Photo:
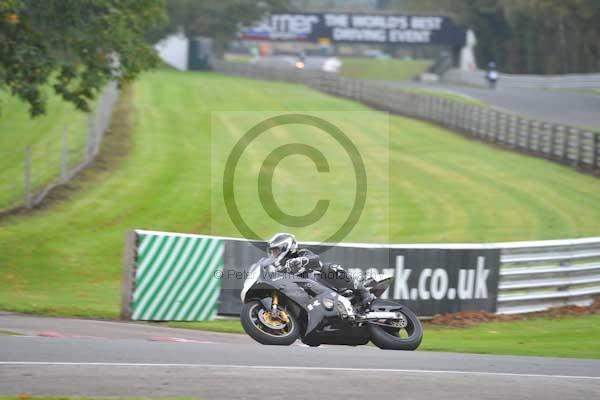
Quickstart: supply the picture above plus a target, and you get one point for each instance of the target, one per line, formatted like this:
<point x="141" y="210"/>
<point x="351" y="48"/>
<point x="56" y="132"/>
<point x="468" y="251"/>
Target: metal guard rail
<point x="538" y="277"/>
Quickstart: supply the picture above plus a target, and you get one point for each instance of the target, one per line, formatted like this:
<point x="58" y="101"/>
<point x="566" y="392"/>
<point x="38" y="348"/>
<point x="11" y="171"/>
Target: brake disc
<point x="266" y="318"/>
<point x="401" y="322"/>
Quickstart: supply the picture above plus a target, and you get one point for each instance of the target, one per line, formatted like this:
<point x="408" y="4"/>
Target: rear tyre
<point x="390" y="338"/>
<point x="279" y="334"/>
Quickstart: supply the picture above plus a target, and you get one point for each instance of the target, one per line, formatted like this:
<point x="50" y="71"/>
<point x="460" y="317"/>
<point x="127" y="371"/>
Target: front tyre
<point x="262" y="327"/>
<point x="392" y="339"/>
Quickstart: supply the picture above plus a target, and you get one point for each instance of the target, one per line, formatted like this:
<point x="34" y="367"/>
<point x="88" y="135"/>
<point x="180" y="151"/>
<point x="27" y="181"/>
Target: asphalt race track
<point x="558" y="106"/>
<point x="78" y="357"/>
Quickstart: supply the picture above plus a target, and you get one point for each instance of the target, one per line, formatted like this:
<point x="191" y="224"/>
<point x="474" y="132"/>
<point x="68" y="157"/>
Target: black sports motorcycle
<point x="280" y="307"/>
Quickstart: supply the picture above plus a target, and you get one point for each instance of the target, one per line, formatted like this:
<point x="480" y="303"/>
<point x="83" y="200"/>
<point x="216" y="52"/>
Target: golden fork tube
<point x="274" y="303"/>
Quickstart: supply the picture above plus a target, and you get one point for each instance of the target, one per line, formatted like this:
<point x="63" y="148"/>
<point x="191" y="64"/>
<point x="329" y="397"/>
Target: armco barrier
<point x="569" y="145"/>
<point x="172" y="276"/>
<point x="536" y="276"/>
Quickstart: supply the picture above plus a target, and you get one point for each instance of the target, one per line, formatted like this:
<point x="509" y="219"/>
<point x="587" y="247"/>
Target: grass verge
<point x="154" y="173"/>
<point x="238" y="58"/>
<point x="448" y="95"/>
<point x="44" y="135"/>
<point x="8" y="333"/>
<point x="225" y="326"/>
<point x="382" y="69"/>
<point x="575" y="337"/>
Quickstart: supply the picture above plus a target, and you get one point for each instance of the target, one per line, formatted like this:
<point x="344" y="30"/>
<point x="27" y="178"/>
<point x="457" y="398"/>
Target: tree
<point x="416" y="6"/>
<point x="535" y="36"/>
<point x="76" y="46"/>
<point x="217" y="19"/>
<point x="564" y="34"/>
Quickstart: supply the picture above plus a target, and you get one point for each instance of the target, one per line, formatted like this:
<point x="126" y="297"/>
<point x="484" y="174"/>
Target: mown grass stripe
<point x="208" y="280"/>
<point x="156" y="290"/>
<point x="166" y="286"/>
<point x="196" y="278"/>
<point x="181" y="295"/>
<point x="171" y="303"/>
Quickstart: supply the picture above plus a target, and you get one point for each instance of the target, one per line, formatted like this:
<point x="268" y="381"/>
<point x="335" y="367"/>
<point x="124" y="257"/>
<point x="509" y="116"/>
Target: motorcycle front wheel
<point x="262" y="327"/>
<point x="389" y="338"/>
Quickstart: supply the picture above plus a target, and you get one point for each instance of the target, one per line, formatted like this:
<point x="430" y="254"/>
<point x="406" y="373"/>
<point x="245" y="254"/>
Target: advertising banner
<point x="358" y="28"/>
<point x="428" y="280"/>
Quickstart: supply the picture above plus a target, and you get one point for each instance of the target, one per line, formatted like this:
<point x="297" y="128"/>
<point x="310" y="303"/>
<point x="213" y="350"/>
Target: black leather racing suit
<point x="333" y="275"/>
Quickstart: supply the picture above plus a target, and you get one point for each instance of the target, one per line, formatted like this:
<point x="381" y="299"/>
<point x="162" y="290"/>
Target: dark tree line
<point x="536" y="36"/>
<point x="74" y="46"/>
<point x="526" y="36"/>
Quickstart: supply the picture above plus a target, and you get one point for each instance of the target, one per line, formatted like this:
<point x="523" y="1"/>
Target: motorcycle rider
<point x="284" y="248"/>
<point x="492" y="75"/>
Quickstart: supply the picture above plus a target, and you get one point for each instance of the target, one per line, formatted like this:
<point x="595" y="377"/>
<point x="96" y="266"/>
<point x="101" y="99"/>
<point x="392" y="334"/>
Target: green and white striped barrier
<point x="181" y="277"/>
<point x="171" y="276"/>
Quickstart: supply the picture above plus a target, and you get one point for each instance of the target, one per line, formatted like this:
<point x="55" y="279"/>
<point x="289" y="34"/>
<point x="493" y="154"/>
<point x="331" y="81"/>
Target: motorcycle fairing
<point x="296" y="289"/>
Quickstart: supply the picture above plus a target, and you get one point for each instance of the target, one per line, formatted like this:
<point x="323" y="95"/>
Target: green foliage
<point x="216" y="19"/>
<point x="416" y="6"/>
<point x="525" y="36"/>
<point x="83" y="43"/>
<point x="535" y="36"/>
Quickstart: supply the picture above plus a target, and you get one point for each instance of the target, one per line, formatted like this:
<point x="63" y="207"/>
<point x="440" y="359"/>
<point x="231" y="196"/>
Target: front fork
<point x="274" y="304"/>
<point x="275" y="311"/>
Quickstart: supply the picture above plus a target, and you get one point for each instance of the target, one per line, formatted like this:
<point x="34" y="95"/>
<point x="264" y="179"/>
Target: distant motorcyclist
<point x="284" y="248"/>
<point x="492" y="75"/>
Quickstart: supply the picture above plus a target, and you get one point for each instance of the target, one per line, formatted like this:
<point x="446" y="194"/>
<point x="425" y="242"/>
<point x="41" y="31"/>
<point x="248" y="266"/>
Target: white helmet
<point x="281" y="244"/>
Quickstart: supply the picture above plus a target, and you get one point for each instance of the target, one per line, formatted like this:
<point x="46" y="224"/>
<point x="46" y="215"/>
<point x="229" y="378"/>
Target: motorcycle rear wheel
<point x="264" y="334"/>
<point x="389" y="339"/>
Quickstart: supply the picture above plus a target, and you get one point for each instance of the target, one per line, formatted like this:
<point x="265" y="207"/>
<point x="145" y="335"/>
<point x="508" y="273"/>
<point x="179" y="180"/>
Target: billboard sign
<point x="429" y="281"/>
<point x="358" y="28"/>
